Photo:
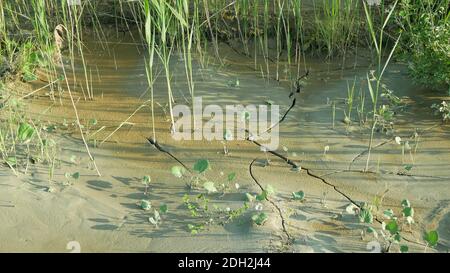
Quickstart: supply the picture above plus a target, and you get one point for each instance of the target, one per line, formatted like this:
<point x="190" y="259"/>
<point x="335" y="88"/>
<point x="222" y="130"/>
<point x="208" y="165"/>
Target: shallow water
<point x="100" y="212"/>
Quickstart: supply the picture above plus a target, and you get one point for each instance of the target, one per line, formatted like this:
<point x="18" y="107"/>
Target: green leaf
<point x="11" y="160"/>
<point x="178" y="16"/>
<point x="231" y="176"/>
<point x="245" y="116"/>
<point x="209" y="186"/>
<point x="408" y="167"/>
<point x="260" y="218"/>
<point x="29" y="76"/>
<point x="195" y="228"/>
<point x="145" y="205"/>
<point x="432" y="238"/>
<point x="249" y="197"/>
<point x="93" y="122"/>
<point x="178" y="171"/>
<point x="406" y="203"/>
<point x="146" y="179"/>
<point x="76" y="175"/>
<point x="201" y="166"/>
<point x="300" y="195"/>
<point x="370" y="230"/>
<point x="26" y="132"/>
<point x="372" y="94"/>
<point x="262" y="196"/>
<point x="50" y="128"/>
<point x="404" y="249"/>
<point x="365" y="216"/>
<point x="33" y="58"/>
<point x="392" y="227"/>
<point x="389" y="213"/>
<point x="408" y="212"/>
<point x="371" y="28"/>
<point x="163" y="208"/>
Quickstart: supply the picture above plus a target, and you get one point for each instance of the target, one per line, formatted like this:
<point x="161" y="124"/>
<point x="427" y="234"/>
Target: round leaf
<point x="432" y="237"/>
<point x="392" y="227"/>
<point x="201" y="166"/>
<point x="300" y="195"/>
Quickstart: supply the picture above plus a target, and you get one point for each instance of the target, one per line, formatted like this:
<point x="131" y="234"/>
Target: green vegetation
<point x="48" y="36"/>
<point x="395" y="227"/>
<point x="442" y="110"/>
<point x="425" y="43"/>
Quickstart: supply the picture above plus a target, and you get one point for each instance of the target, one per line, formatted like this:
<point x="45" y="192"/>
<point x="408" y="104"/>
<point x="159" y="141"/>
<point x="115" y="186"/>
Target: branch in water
<point x="161" y="149"/>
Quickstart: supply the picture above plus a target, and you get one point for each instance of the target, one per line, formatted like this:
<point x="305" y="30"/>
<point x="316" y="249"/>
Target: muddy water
<point x="101" y="212"/>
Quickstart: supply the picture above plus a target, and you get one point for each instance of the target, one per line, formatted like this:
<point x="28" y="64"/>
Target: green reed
<point x="374" y="80"/>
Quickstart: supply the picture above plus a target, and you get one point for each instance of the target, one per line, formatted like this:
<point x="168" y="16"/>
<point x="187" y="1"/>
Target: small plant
<point x="25" y="132"/>
<point x="144" y="204"/>
<point x="266" y="193"/>
<point x="197" y="208"/>
<point x="156" y="219"/>
<point x="392" y="228"/>
<point x="299" y="196"/>
<point x="200" y="168"/>
<point x="260" y="218"/>
<point x="233" y="83"/>
<point x="195" y="228"/>
<point x="443" y="110"/>
<point x="225" y="187"/>
<point x="232" y="214"/>
<point x="375" y="78"/>
<point x="432" y="238"/>
<point x="146" y="179"/>
<point x="75" y="175"/>
<point x="349" y="102"/>
<point x="163" y="208"/>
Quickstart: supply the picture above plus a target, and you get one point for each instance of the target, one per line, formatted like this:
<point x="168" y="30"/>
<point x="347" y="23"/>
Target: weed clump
<point x="426" y="41"/>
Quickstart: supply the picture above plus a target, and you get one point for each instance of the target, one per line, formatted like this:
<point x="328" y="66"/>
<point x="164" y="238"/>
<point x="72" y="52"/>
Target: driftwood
<point x="161" y="149"/>
<point x="298" y="87"/>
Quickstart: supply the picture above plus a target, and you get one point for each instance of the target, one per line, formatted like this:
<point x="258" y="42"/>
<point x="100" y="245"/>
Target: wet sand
<point x="101" y="212"/>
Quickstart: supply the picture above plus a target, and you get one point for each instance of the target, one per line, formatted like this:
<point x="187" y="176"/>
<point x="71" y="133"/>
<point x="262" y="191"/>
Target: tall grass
<point x="336" y="25"/>
<point x="375" y="79"/>
<point x="192" y="26"/>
